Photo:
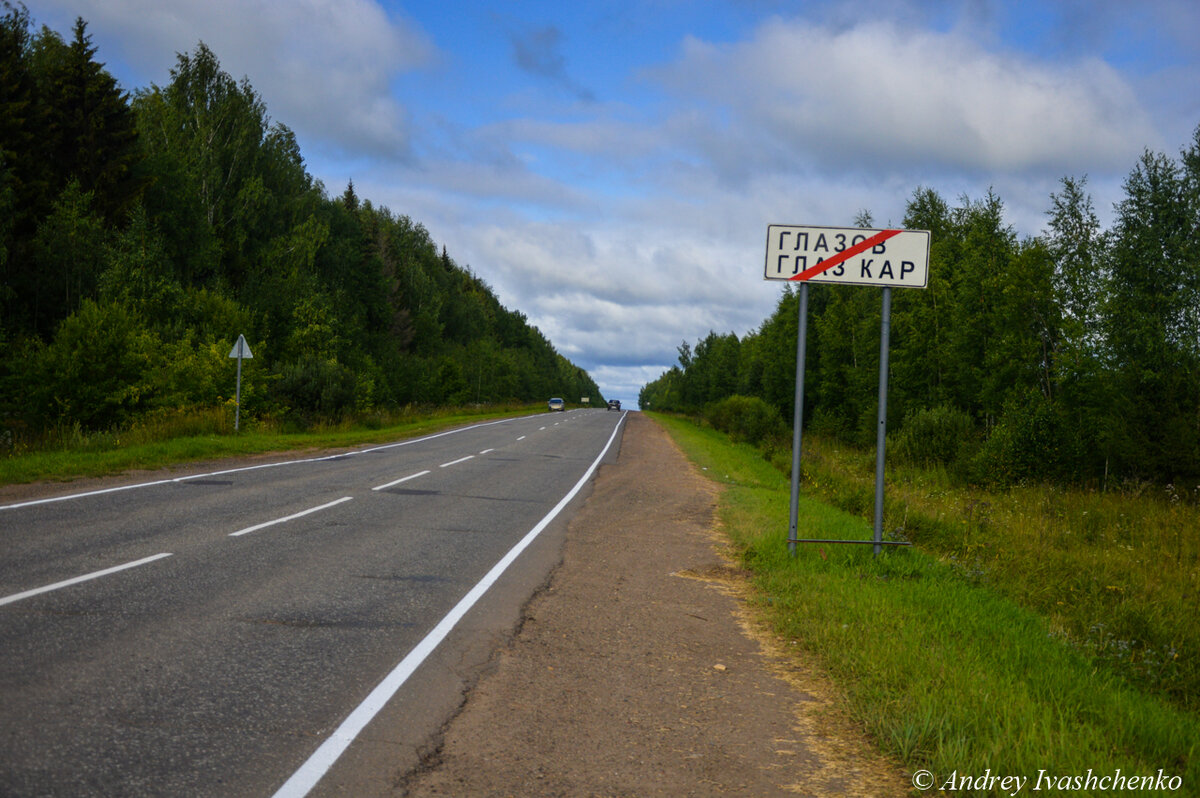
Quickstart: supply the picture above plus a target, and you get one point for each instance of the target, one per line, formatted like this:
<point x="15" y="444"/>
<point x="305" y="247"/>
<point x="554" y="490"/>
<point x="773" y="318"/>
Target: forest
<point x="140" y="235"/>
<point x="1071" y="357"/>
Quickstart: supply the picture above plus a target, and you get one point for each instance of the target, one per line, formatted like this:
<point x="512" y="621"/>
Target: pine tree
<point x="22" y="122"/>
<point x="24" y="182"/>
<point x="349" y="198"/>
<point x="92" y="134"/>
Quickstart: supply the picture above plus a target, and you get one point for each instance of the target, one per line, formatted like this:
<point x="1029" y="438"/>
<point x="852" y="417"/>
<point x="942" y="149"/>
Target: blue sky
<point x="610" y="168"/>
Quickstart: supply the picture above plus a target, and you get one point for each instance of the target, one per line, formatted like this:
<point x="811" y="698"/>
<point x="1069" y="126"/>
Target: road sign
<point x="852" y="256"/>
<point x="847" y="255"/>
<point x="241" y="349"/>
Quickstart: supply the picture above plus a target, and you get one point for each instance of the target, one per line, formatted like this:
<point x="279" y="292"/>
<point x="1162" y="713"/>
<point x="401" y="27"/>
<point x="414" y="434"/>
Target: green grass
<point x="946" y="672"/>
<point x="176" y="438"/>
<point x="1116" y="574"/>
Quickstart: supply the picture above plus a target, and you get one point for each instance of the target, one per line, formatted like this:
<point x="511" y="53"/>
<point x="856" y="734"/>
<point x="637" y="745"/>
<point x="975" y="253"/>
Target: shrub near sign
<point x="855" y="256"/>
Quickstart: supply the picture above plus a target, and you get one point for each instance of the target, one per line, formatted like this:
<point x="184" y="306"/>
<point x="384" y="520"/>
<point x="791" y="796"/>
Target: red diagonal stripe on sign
<point x="840" y="257"/>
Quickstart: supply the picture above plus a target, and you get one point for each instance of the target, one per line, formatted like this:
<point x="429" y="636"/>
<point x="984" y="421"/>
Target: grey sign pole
<point x="885" y="333"/>
<point x="798" y="418"/>
<point x="237" y="402"/>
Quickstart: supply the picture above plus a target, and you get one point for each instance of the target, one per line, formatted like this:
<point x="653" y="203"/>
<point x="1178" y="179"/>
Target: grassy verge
<point x="1116" y="574"/>
<point x="157" y="443"/>
<point x="947" y="673"/>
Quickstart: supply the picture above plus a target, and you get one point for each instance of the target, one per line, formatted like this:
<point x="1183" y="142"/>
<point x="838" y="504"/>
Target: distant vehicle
<point x="614" y="404"/>
<point x="557" y="404"/>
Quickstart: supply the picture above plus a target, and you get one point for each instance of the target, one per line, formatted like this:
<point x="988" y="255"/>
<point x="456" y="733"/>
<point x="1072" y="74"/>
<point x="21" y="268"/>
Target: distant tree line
<point x="139" y="236"/>
<point x="1069" y="357"/>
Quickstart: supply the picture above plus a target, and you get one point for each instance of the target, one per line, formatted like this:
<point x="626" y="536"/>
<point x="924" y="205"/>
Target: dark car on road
<point x="614" y="404"/>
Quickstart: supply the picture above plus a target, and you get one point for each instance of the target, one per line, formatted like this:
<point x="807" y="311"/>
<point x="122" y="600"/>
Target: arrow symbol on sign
<point x="841" y="257"/>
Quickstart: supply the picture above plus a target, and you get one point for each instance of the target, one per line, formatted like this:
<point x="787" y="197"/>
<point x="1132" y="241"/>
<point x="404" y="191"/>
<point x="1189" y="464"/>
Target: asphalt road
<point x="232" y="620"/>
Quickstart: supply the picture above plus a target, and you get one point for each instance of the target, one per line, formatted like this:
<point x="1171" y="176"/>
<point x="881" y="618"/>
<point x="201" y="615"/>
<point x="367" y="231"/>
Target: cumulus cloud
<point x="618" y="296"/>
<point x="324" y="67"/>
<point x="880" y="94"/>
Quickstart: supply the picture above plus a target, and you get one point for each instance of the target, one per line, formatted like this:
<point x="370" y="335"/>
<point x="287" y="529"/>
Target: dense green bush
<point x="746" y="419"/>
<point x="1030" y="444"/>
<point x="316" y="387"/>
<point x="933" y="436"/>
<point x="99" y="371"/>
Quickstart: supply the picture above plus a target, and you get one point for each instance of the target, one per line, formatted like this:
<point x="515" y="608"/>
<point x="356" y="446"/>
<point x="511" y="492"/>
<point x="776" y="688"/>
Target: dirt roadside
<point x="641" y="671"/>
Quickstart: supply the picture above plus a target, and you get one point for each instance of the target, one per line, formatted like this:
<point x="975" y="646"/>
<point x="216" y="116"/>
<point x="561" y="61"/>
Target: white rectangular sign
<point x="851" y="255"/>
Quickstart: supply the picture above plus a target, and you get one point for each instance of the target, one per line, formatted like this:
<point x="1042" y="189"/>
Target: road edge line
<point x="321" y="760"/>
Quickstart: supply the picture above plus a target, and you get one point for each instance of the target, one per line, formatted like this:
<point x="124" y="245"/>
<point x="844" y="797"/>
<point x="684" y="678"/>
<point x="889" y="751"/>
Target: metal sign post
<point x="885" y="258"/>
<point x="240" y="350"/>
<point x="798" y="417"/>
<point x="885" y="334"/>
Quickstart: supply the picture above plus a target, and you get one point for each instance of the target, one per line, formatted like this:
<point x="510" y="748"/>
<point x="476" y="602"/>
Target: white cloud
<point x="626" y="383"/>
<point x="881" y="96"/>
<point x="324" y="67"/>
<point x="611" y="269"/>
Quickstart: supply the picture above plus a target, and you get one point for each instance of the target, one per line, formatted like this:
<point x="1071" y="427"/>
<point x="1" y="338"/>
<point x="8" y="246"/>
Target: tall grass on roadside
<point x="945" y="671"/>
<point x="1117" y="574"/>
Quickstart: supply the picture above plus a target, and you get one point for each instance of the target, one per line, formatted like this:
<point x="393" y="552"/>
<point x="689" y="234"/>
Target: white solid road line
<point x="76" y="580"/>
<point x="82" y="495"/>
<point x="402" y="479"/>
<point x="317" y="765"/>
<point x="300" y="514"/>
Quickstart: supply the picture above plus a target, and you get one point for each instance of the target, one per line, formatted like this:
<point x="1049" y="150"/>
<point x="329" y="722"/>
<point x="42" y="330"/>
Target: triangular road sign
<point x="241" y="349"/>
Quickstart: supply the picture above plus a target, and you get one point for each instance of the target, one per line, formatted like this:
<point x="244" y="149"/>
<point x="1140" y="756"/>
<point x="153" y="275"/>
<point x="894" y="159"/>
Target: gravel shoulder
<point x="641" y="670"/>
